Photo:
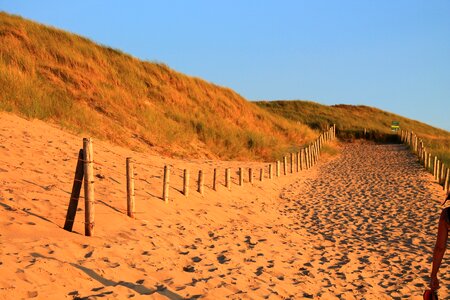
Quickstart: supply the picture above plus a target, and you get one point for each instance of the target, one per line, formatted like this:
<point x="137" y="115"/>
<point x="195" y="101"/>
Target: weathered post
<point x="284" y="165"/>
<point x="241" y="177"/>
<point x="186" y="182"/>
<point x="270" y="171"/>
<point x="447" y="180"/>
<point x="429" y="162"/>
<point x="250" y="175"/>
<point x="306" y="158"/>
<point x="89" y="195"/>
<point x="277" y="169"/>
<point x="228" y="179"/>
<point x="200" y="182"/>
<point x="215" y="180"/>
<point x="261" y="174"/>
<point x="292" y="163"/>
<point x="442" y="173"/>
<point x="75" y="195"/>
<point x="130" y="188"/>
<point x="434" y="167"/>
<point x="302" y="153"/>
<point x="166" y="183"/>
<point x="298" y="161"/>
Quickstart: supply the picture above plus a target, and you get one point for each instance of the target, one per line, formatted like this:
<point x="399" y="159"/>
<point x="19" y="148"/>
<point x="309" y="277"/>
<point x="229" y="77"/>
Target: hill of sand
<point x="357" y="225"/>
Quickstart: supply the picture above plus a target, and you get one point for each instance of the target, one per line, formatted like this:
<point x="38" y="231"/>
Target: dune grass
<point x="66" y="79"/>
<point x="350" y="119"/>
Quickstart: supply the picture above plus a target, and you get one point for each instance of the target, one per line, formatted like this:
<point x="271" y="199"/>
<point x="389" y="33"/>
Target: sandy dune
<point x="357" y="226"/>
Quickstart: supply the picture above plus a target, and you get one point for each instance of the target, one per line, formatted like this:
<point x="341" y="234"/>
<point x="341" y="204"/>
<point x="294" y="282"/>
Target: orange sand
<point x="360" y="225"/>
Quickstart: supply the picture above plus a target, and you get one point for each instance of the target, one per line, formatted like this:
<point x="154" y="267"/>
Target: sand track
<point x="376" y="213"/>
<point x="358" y="226"/>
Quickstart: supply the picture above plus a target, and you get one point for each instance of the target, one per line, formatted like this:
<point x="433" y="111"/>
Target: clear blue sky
<point x="391" y="54"/>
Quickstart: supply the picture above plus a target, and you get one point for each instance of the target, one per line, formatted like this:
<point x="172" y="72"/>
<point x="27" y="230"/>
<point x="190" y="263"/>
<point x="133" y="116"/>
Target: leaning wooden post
<point x="166" y="183"/>
<point x="277" y="169"/>
<point x="270" y="171"/>
<point x="130" y="188"/>
<point x="200" y="182"/>
<point x="261" y="174"/>
<point x="292" y="163"/>
<point x="284" y="165"/>
<point x="241" y="177"/>
<point x="228" y="179"/>
<point x="186" y="176"/>
<point x="89" y="196"/>
<point x="75" y="195"/>
<point x="215" y="180"/>
<point x="250" y="175"/>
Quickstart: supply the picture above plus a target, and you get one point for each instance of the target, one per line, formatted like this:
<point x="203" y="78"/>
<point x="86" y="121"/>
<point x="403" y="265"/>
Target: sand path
<point x="375" y="213"/>
<point x="357" y="226"/>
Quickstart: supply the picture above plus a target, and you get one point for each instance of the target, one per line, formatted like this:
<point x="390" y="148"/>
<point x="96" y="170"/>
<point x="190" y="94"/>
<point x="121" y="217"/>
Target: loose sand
<point x="357" y="226"/>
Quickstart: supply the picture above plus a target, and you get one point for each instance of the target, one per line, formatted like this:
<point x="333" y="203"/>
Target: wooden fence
<point x="304" y="159"/>
<point x="431" y="162"/>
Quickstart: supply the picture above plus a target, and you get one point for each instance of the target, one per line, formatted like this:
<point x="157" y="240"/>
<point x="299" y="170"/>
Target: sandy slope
<point x="359" y="226"/>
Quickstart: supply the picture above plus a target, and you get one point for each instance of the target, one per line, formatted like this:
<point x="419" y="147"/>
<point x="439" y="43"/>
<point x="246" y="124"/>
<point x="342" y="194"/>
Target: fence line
<point x="431" y="163"/>
<point x="304" y="159"/>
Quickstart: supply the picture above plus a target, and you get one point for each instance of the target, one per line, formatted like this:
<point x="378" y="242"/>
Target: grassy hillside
<point x="349" y="118"/>
<point x="53" y="75"/>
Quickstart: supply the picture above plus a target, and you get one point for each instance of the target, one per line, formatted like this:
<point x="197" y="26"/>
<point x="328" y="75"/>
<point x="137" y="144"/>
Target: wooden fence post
<point x="442" y="174"/>
<point x="186" y="176"/>
<point x="250" y="175"/>
<point x="215" y="180"/>
<point x="89" y="196"/>
<point x="306" y="158"/>
<point x="277" y="170"/>
<point x="261" y="174"/>
<point x="241" y="177"/>
<point x="429" y="162"/>
<point x="130" y="188"/>
<point x="75" y="195"/>
<point x="298" y="161"/>
<point x="284" y="165"/>
<point x="166" y="183"/>
<point x="446" y="180"/>
<point x="292" y="163"/>
<point x="270" y="171"/>
<point x="228" y="179"/>
<point x="200" y="182"/>
<point x="302" y="152"/>
<point x="434" y="167"/>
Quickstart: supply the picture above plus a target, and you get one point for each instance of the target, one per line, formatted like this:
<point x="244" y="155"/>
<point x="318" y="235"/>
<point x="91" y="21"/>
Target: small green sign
<point x="395" y="125"/>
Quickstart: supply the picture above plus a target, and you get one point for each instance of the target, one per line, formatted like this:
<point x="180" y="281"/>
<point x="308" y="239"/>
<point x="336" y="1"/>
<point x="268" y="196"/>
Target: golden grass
<point x="350" y="119"/>
<point x="53" y="75"/>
